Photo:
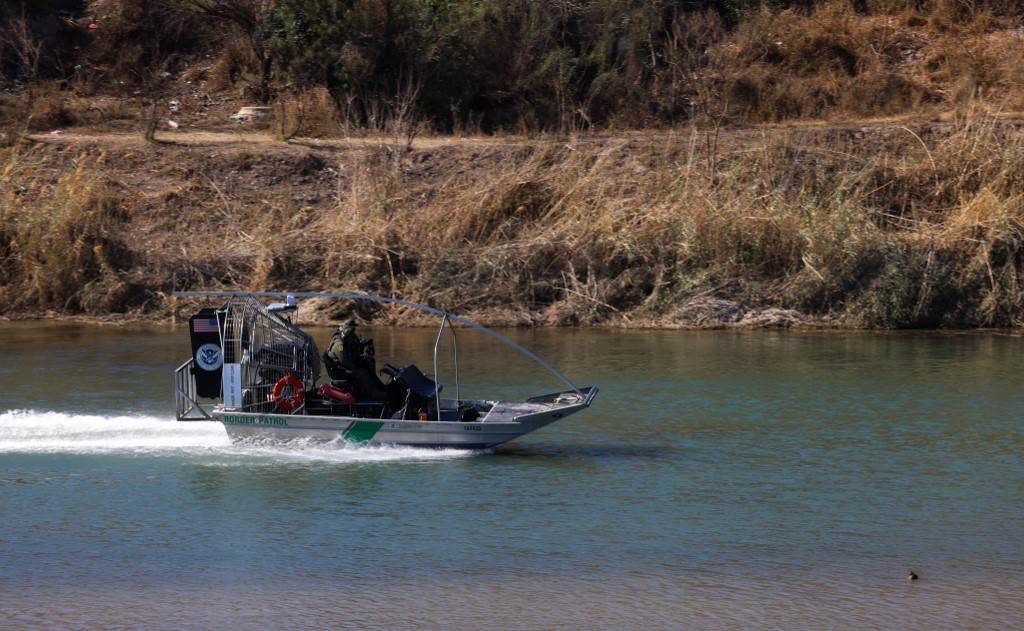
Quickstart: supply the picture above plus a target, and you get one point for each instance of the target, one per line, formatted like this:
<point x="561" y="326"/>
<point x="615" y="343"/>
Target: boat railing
<point x="186" y="408"/>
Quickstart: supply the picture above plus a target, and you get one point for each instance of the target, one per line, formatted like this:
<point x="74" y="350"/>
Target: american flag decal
<point x="204" y="325"/>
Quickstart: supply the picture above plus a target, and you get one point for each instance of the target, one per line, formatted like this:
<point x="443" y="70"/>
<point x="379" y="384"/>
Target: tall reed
<point x="61" y="241"/>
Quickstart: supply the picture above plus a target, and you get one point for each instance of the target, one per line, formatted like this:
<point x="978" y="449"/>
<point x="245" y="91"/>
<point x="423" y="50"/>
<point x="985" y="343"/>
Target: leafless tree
<point x="246" y="18"/>
<point x="17" y="38"/>
<point x="404" y="120"/>
<point x="26" y="50"/>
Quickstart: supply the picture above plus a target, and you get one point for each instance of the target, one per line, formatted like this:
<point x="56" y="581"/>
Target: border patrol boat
<point x="257" y="373"/>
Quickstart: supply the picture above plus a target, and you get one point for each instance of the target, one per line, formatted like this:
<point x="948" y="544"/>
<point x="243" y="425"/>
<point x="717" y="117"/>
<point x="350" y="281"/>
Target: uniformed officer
<point x="346" y="348"/>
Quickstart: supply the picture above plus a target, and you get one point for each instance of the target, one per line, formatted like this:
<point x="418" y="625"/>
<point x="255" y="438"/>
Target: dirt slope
<point x="856" y="224"/>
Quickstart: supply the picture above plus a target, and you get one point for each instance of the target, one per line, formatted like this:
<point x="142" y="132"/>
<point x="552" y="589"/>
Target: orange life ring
<point x="288" y="393"/>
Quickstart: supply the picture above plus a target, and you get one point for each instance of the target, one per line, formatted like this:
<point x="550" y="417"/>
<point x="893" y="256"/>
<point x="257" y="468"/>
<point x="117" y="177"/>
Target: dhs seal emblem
<point x="208" y="357"/>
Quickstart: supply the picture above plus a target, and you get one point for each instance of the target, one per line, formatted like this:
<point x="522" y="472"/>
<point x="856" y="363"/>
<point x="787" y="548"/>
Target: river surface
<point x="721" y="480"/>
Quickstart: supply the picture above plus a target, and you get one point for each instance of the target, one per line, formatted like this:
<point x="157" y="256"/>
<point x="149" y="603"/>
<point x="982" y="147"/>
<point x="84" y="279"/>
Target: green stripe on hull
<point x="362" y="431"/>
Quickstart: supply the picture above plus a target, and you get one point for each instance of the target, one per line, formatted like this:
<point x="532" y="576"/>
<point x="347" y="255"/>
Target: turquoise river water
<point x="721" y="480"/>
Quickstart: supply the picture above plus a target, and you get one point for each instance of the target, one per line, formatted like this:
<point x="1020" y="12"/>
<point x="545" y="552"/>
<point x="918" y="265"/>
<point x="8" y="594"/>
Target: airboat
<point x="259" y="374"/>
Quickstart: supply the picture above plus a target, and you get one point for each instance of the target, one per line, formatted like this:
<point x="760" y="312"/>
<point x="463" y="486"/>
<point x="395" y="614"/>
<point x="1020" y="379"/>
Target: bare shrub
<point x="139" y="38"/>
<point x="309" y="113"/>
<point x="48" y="108"/>
<point x="245" y="20"/>
<point x="229" y="65"/>
<point x="19" y="41"/>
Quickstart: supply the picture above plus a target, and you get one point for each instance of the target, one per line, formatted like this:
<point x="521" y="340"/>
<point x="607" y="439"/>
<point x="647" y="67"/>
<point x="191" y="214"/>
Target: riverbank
<point x="751" y="318"/>
<point x="874" y="225"/>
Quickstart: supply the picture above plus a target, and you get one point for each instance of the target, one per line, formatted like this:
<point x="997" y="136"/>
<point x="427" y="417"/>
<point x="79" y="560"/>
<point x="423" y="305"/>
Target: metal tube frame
<point x="386" y="299"/>
<point x="267" y="346"/>
<point x="455" y="354"/>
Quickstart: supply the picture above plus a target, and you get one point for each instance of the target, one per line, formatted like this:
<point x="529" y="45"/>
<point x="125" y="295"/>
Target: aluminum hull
<point x="506" y="421"/>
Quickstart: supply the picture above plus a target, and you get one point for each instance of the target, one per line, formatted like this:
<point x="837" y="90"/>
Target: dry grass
<point x="309" y="113"/>
<point x="46" y="107"/>
<point x="834" y="63"/>
<point x="899" y="228"/>
<point x="61" y="242"/>
<point x="916" y="236"/>
<point x="621" y="230"/>
<point x="890" y="227"/>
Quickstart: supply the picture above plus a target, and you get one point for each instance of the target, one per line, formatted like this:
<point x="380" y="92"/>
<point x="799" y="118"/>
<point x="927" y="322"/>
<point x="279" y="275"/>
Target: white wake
<point x="31" y="431"/>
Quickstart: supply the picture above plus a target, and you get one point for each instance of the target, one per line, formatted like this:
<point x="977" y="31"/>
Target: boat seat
<point x="335" y="370"/>
<point x="413" y="378"/>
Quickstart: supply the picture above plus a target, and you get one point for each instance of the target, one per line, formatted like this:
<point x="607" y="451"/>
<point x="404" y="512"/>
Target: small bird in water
<point x="911" y="576"/>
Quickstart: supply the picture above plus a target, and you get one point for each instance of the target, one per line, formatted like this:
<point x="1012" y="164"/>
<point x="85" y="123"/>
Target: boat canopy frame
<point x="446" y="317"/>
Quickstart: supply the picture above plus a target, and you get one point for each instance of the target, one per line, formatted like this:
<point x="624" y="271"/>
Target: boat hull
<point x="249" y="427"/>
